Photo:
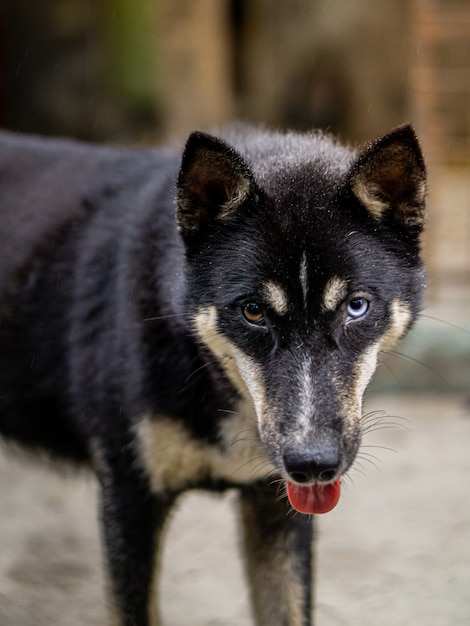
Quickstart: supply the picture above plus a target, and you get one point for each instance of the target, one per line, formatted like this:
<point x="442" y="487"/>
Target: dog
<point x="205" y="319"/>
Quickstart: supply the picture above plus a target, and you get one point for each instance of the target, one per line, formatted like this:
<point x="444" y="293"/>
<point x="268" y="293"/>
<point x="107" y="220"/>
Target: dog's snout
<point x="309" y="466"/>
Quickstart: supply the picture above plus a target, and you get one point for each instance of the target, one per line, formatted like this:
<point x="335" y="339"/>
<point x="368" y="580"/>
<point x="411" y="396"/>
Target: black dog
<point x="229" y="347"/>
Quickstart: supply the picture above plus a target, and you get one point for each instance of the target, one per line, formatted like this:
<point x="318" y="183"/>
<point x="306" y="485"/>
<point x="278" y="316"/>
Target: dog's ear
<point x="213" y="182"/>
<point x="389" y="178"/>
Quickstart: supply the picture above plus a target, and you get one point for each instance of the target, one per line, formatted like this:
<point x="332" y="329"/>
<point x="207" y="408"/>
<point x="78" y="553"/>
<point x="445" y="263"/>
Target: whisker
<point x="365" y="457"/>
<point x="437" y="319"/>
<point x="387" y="424"/>
<point x="255" y="469"/>
<point x="381" y="420"/>
<point x="281" y="489"/>
<point x="407" y="357"/>
<point x="368" y="455"/>
<point x="278" y="479"/>
<point x="197" y="370"/>
<point x="251" y="440"/>
<point x="347" y="478"/>
<point x="228" y="411"/>
<point x="377" y="428"/>
<point x="377" y="447"/>
<point x="382" y="414"/>
<point x="370" y="461"/>
<point x="390" y="369"/>
<point x="164" y="317"/>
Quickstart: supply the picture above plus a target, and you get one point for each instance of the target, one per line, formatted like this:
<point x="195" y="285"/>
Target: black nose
<point x="307" y="466"/>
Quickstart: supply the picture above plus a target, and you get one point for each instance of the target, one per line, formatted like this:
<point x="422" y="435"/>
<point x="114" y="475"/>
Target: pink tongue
<point x="314" y="499"/>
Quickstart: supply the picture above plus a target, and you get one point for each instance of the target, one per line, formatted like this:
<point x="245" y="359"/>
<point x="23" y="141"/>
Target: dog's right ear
<point x="213" y="182"/>
<point x="389" y="179"/>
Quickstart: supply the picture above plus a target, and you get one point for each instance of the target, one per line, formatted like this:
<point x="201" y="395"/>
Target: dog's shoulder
<point x="48" y="184"/>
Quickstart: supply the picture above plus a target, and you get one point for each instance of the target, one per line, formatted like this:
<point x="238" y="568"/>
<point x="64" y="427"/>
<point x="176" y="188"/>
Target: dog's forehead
<point x="317" y="271"/>
<point x="289" y="259"/>
<point x="281" y="297"/>
<point x="305" y="254"/>
<point x="305" y="190"/>
<point x="305" y="287"/>
<point x="306" y="202"/>
<point x="303" y="161"/>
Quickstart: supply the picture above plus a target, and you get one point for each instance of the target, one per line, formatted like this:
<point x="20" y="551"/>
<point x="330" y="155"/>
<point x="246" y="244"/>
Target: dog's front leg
<point x="133" y="521"/>
<point x="278" y="547"/>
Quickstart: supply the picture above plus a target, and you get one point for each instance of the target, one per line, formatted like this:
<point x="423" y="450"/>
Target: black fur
<point x="101" y="287"/>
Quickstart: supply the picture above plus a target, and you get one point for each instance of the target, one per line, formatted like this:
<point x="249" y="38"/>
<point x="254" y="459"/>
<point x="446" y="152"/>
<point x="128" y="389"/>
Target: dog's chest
<point x="175" y="460"/>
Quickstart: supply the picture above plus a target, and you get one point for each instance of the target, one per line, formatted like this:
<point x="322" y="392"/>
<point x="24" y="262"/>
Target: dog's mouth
<point x="315" y="498"/>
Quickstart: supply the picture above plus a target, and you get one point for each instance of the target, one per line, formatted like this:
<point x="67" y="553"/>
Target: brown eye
<point x="253" y="313"/>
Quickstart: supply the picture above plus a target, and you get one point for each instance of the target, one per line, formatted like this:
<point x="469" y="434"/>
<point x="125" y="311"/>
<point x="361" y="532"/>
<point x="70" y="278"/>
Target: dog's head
<point x="303" y="263"/>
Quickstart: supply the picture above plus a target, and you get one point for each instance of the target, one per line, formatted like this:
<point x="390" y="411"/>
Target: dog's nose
<point x="312" y="465"/>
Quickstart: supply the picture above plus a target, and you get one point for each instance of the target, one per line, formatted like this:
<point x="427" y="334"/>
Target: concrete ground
<point x="396" y="550"/>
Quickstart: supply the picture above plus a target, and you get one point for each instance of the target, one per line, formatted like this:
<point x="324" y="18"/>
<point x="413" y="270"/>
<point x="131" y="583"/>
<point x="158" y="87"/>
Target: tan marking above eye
<point x="275" y="297"/>
<point x="334" y="293"/>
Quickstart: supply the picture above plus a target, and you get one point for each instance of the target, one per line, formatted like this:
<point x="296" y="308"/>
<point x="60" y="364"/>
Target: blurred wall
<point x="149" y="70"/>
<point x="340" y="65"/>
<point x="98" y="68"/>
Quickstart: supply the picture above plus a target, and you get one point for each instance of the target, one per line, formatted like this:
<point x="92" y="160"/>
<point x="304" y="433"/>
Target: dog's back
<point x="46" y="183"/>
<point x="61" y="203"/>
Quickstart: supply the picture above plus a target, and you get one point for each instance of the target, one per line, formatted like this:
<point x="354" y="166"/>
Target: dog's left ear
<point x="389" y="178"/>
<point x="213" y="182"/>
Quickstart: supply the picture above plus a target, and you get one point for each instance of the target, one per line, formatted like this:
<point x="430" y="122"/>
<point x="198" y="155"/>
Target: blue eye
<point x="357" y="307"/>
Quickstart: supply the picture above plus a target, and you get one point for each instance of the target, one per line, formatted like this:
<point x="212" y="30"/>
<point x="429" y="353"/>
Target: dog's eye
<point x="357" y="308"/>
<point x="253" y="313"/>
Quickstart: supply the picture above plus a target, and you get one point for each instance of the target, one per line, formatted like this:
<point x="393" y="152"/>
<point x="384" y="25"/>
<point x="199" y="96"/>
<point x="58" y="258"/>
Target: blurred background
<point x="148" y="71"/>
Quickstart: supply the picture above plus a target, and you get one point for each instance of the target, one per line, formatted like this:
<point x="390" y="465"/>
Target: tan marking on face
<point x="366" y="366"/>
<point x="352" y="395"/>
<point x="241" y="370"/>
<point x="245" y="375"/>
<point x="400" y="317"/>
<point x="266" y="414"/>
<point x="334" y="293"/>
<point x="367" y="363"/>
<point x="275" y="297"/>
<point x="205" y="322"/>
